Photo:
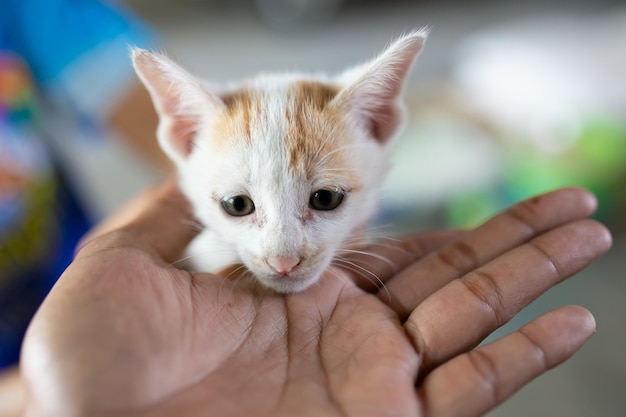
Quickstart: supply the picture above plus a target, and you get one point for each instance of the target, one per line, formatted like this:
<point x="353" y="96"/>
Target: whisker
<point x="388" y="261"/>
<point x="389" y="243"/>
<point x="234" y="271"/>
<point x="351" y="266"/>
<point x="339" y="149"/>
<point x="180" y="261"/>
<point x="374" y="231"/>
<point x="238" y="279"/>
<point x="336" y="170"/>
<point x="358" y="239"/>
<point x="336" y="274"/>
<point x="202" y="253"/>
<point x="194" y="224"/>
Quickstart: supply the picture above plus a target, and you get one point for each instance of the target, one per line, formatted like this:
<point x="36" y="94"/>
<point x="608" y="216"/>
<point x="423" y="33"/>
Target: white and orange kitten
<point x="282" y="170"/>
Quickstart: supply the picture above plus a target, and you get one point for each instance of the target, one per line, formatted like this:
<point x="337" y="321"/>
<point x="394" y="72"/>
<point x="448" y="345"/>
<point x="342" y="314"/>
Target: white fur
<point x="283" y="224"/>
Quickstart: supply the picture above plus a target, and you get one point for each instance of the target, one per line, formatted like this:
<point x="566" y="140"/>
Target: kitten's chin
<point x="288" y="284"/>
<point x="276" y="283"/>
<point x="305" y="274"/>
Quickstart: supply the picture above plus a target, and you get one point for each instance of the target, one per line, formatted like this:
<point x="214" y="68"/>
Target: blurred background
<point x="507" y="100"/>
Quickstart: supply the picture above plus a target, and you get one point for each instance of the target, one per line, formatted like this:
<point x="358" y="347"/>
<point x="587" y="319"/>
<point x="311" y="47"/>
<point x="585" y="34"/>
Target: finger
<point x="159" y="220"/>
<point x="476" y="382"/>
<point x="457" y="317"/>
<point x="372" y="265"/>
<point x="498" y="235"/>
<point x="12" y="392"/>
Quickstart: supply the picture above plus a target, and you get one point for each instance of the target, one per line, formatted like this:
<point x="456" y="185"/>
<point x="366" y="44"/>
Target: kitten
<point x="281" y="170"/>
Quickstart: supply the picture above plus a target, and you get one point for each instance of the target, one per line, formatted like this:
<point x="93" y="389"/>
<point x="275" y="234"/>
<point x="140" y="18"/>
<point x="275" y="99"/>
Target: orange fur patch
<point x="241" y="108"/>
<point x="313" y="129"/>
<point x="309" y="120"/>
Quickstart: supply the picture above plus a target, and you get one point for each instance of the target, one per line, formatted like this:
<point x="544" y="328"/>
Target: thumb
<point x="158" y="220"/>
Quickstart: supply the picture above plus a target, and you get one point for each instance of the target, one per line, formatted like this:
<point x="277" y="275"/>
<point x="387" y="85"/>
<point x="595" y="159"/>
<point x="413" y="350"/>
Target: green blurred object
<point x="596" y="160"/>
<point x="472" y="207"/>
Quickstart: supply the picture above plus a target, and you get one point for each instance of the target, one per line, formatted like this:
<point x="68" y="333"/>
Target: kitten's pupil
<point x="323" y="197"/>
<point x="239" y="205"/>
<point x="326" y="199"/>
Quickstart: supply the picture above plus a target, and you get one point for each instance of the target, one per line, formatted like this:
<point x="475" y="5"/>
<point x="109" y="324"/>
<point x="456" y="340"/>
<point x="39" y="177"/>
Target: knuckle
<point x="417" y="338"/>
<point x="459" y="256"/>
<point x="413" y="248"/>
<point x="487" y="373"/>
<point x="539" y="352"/>
<point x="485" y="288"/>
<point x="547" y="257"/>
<point x="525" y="213"/>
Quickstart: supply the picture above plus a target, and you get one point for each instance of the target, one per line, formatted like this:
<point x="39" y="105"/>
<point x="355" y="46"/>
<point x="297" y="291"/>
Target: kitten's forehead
<point x="312" y="125"/>
<point x="292" y="121"/>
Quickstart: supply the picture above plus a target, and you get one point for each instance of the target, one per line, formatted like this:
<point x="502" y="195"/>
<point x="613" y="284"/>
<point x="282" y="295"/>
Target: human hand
<point x="125" y="333"/>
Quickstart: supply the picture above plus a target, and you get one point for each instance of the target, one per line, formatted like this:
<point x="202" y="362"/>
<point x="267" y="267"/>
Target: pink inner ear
<point x="182" y="127"/>
<point x="377" y="92"/>
<point x="178" y="98"/>
<point x="183" y="133"/>
<point x="384" y="122"/>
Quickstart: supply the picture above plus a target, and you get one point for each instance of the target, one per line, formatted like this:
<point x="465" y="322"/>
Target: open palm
<point x="124" y="333"/>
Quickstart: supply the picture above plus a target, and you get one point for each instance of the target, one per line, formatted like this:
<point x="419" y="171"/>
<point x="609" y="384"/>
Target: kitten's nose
<point x="283" y="264"/>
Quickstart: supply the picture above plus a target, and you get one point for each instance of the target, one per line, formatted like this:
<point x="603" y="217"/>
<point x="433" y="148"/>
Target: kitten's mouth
<point x="295" y="276"/>
<point x="285" y="274"/>
<point x="281" y="282"/>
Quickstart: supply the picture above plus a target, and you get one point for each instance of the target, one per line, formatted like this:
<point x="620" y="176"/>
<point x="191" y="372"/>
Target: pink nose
<point x="283" y="264"/>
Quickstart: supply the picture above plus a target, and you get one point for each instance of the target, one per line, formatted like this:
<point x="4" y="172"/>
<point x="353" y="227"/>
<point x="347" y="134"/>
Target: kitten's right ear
<point x="181" y="101"/>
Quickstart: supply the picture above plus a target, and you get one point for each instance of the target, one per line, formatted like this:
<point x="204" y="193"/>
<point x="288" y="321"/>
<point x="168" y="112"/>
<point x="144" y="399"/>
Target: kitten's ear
<point x="373" y="91"/>
<point x="180" y="99"/>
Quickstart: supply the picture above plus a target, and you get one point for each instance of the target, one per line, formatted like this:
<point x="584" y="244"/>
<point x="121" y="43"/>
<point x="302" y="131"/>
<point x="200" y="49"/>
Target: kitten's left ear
<point x="373" y="91"/>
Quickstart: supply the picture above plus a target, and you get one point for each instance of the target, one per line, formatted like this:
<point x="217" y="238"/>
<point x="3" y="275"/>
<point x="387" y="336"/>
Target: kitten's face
<point x="283" y="168"/>
<point x="283" y="176"/>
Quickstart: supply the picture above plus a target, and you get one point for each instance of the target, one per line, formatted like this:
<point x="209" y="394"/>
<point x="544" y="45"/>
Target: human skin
<point x="135" y="121"/>
<point x="126" y="333"/>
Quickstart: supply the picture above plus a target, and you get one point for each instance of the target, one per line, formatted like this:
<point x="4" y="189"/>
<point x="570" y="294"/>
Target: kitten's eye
<point x="326" y="199"/>
<point x="239" y="205"/>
